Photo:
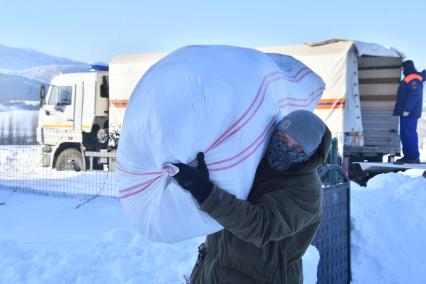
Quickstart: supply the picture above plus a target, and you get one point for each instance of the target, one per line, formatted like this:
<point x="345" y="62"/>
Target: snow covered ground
<point x="46" y="239"/>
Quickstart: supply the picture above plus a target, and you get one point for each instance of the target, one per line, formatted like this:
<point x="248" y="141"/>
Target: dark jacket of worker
<point x="265" y="237"/>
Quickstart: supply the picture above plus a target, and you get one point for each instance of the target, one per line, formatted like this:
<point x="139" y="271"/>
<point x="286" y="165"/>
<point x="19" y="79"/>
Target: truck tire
<point x="69" y="160"/>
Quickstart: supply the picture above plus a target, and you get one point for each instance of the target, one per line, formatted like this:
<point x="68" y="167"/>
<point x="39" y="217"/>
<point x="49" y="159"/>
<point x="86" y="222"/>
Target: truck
<point x="82" y="113"/>
<point x="357" y="104"/>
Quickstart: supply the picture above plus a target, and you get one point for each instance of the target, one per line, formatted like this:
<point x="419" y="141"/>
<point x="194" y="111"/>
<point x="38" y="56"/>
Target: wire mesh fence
<point x="24" y="168"/>
<point x="17" y="137"/>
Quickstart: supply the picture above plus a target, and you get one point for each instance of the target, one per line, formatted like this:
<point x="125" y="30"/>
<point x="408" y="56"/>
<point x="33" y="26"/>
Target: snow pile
<point x="120" y="257"/>
<point x="47" y="240"/>
<point x="389" y="229"/>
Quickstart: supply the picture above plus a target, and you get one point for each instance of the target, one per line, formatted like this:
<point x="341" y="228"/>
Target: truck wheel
<point x="69" y="160"/>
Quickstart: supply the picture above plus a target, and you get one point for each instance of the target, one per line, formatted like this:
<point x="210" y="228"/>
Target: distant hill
<point x="15" y="59"/>
<point x="46" y="72"/>
<point x="23" y="70"/>
<point x="18" y="88"/>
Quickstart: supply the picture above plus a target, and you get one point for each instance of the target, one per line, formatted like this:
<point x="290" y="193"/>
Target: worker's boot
<point x="405" y="160"/>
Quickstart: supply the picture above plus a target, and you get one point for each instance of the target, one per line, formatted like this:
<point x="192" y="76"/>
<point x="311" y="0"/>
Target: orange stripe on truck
<point x="118" y="103"/>
<point x="56" y="126"/>
<point x="63" y="126"/>
<point x="331" y="104"/>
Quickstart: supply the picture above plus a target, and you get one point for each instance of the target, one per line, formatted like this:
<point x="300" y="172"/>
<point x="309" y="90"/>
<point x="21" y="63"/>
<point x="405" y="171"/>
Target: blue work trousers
<point x="409" y="138"/>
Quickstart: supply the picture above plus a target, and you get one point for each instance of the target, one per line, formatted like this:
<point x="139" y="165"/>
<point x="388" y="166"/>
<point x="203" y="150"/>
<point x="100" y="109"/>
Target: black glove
<point x="195" y="179"/>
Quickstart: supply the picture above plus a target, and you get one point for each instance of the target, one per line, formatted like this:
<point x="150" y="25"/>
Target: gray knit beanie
<point x="304" y="126"/>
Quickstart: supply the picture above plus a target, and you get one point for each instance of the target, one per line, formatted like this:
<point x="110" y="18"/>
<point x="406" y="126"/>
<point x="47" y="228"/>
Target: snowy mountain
<point x="23" y="70"/>
<point x="16" y="59"/>
<point x="14" y="87"/>
<point x="46" y="72"/>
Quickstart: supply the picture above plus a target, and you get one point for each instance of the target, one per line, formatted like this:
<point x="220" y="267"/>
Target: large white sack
<point x="221" y="100"/>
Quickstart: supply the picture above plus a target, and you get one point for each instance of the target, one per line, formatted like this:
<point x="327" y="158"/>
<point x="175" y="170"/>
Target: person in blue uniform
<point x="408" y="107"/>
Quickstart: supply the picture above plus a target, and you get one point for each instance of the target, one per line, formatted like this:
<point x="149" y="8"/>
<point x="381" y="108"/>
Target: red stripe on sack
<point x="243" y="159"/>
<point x="293" y="78"/>
<point x="142" y="189"/>
<point x="247" y="148"/>
<point x="261" y="92"/>
<point x="244" y="114"/>
<point x="121" y="169"/>
<point x="298" y="72"/>
<point x="301" y="77"/>
<point x="318" y="93"/>
<point x="250" y="117"/>
<point x="300" y="100"/>
<point x="138" y="185"/>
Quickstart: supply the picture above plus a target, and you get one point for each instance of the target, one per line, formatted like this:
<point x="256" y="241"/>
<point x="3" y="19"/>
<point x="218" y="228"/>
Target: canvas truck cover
<point x="220" y="100"/>
<point x="125" y="72"/>
<point x="336" y="62"/>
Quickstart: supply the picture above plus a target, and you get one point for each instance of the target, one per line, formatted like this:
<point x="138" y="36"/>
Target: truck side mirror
<point x="104" y="87"/>
<point x="42" y="95"/>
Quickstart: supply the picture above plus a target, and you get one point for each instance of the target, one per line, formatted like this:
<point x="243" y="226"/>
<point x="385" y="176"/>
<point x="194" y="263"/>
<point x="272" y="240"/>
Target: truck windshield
<point x="60" y="95"/>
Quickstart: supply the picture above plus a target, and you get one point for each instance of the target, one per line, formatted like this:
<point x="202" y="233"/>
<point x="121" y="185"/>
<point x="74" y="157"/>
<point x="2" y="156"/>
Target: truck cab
<point x="81" y="114"/>
<point x="73" y="118"/>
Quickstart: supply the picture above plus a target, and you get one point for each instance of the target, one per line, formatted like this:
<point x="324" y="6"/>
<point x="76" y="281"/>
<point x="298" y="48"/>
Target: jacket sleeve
<point x="413" y="94"/>
<point x="274" y="216"/>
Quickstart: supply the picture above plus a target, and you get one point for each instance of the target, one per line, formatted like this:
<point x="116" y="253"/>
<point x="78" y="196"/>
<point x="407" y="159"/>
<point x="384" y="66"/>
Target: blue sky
<point x="94" y="30"/>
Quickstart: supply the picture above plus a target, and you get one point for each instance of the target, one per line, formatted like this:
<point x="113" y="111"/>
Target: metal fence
<point x="17" y="137"/>
<point x="333" y="239"/>
<point x="21" y="168"/>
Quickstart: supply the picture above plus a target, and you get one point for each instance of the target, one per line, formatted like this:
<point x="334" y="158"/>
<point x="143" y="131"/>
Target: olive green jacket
<point x="264" y="237"/>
